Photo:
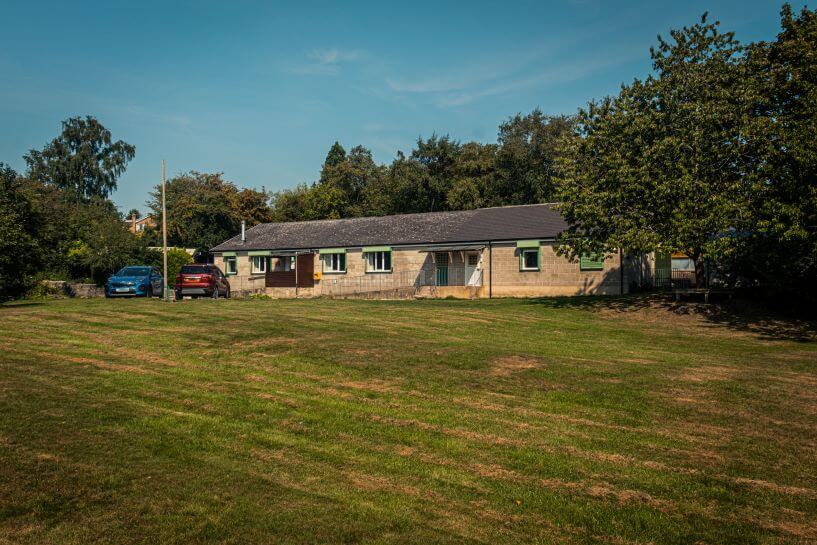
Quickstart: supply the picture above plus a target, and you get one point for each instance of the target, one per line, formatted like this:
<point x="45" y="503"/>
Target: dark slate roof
<point x="534" y="221"/>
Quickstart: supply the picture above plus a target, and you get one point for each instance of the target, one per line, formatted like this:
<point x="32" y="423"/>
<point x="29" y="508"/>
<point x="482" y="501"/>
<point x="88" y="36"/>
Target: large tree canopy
<point x="780" y="251"/>
<point x="204" y="209"/>
<point x="18" y="228"/>
<point x="661" y="166"/>
<point x="440" y="173"/>
<point x="526" y="157"/>
<point x="713" y="155"/>
<point x="83" y="160"/>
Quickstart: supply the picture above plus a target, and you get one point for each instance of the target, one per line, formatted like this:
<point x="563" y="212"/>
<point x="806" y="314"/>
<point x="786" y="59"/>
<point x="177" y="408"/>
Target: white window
<point x="378" y="262"/>
<point x="683" y="264"/>
<point x="529" y="260"/>
<point x="334" y="263"/>
<point x="230" y="265"/>
<point x="284" y="264"/>
<point x="258" y="264"/>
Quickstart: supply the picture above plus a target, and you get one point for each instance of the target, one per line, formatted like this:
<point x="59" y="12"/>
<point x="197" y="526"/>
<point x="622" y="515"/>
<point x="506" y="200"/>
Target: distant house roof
<point x="535" y="221"/>
<point x="143" y="219"/>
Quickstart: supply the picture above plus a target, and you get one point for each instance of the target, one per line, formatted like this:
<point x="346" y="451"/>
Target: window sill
<point x="378" y="272"/>
<point x="530" y="270"/>
<point x="330" y="273"/>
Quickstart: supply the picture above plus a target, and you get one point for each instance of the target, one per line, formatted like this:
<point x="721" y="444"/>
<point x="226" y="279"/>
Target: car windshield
<point x="195" y="269"/>
<point x="134" y="271"/>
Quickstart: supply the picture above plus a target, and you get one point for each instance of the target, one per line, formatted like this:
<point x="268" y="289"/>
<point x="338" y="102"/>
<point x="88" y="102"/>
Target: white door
<point x="472" y="272"/>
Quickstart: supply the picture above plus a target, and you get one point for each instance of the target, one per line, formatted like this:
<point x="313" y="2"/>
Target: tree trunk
<point x="700" y="272"/>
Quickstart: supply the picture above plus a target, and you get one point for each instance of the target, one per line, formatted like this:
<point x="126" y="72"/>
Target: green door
<point x="441" y="259"/>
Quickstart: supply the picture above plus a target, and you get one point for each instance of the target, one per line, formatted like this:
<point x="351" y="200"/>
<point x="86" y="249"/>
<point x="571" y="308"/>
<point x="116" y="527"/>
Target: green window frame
<point x="333" y="262"/>
<point x="259" y="263"/>
<point x="524" y="265"/>
<point x="230" y="264"/>
<point x="378" y="259"/>
<point x="528" y="244"/>
<point x="527" y="248"/>
<point x="591" y="262"/>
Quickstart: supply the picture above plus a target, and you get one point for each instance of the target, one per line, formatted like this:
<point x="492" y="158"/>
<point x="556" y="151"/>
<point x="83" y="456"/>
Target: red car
<point x="201" y="280"/>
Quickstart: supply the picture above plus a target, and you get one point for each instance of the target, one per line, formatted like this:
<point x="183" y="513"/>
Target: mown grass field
<point x="557" y="421"/>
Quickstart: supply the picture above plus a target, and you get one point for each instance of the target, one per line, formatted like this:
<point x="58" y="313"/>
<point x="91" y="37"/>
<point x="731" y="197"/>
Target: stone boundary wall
<point x="73" y="289"/>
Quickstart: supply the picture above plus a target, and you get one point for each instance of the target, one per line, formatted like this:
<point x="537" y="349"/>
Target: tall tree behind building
<point x="203" y="209"/>
<point x="83" y="160"/>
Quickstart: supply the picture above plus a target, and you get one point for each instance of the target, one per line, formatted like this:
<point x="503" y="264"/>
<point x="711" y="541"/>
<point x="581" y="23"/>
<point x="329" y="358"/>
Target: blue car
<point x="135" y="281"/>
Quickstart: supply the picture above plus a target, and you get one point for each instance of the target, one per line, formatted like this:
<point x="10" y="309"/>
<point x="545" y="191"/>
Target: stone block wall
<point x="557" y="276"/>
<point x="73" y="289"/>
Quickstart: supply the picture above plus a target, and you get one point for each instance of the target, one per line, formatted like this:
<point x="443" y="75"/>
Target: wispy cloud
<point x="333" y="56"/>
<point x="467" y="75"/>
<point x="553" y="75"/>
<point x="326" y="62"/>
<point x="539" y="65"/>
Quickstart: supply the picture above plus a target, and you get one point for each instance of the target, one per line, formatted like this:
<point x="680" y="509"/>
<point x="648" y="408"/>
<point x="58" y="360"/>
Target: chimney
<point x="133" y="223"/>
<point x="243" y="231"/>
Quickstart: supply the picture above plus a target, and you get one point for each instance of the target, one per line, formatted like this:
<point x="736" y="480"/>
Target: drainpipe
<point x="621" y="270"/>
<point x="243" y="231"/>
<point x="490" y="271"/>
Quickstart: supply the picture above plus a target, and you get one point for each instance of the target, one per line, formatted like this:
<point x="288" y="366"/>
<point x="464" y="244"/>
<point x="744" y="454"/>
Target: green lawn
<point x="555" y="421"/>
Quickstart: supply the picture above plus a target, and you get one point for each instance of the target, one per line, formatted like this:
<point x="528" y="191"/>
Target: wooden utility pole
<point x="166" y="293"/>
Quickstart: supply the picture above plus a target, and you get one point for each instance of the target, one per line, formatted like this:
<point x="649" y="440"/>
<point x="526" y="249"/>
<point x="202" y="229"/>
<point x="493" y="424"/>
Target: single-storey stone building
<point x="489" y="252"/>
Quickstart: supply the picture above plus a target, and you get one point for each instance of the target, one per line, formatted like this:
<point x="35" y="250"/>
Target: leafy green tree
<point x="204" y="209"/>
<point x="103" y="243"/>
<point x="402" y="188"/>
<point x="526" y="159"/>
<point x="200" y="210"/>
<point x="780" y="251"/>
<point x="661" y="167"/>
<point x="336" y="155"/>
<point x="439" y="156"/>
<point x="176" y="259"/>
<point x="133" y="213"/>
<point x="474" y="177"/>
<point x="290" y="204"/>
<point x="252" y="206"/>
<point x="20" y="255"/>
<point x="83" y="160"/>
<point x="343" y="185"/>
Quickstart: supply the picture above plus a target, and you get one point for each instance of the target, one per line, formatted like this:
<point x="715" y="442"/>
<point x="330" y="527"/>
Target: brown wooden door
<point x="305" y="268"/>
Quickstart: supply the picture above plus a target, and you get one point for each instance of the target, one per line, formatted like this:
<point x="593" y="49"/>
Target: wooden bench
<point x="705" y="291"/>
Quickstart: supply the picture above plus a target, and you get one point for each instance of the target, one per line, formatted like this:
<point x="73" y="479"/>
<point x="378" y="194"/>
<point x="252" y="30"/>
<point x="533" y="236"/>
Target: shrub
<point x="176" y="259"/>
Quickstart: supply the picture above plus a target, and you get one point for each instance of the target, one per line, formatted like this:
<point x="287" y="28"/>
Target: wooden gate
<point x="287" y="277"/>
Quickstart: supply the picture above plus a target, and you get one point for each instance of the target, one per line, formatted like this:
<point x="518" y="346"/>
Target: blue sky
<point x="261" y="90"/>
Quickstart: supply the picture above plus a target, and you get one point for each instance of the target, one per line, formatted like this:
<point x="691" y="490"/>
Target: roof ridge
<point x="406" y="214"/>
<point x="490" y="223"/>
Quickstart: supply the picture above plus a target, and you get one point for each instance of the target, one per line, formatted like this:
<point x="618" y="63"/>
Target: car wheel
<point x="227" y="296"/>
<point x="178" y="296"/>
<point x="149" y="292"/>
<point x="215" y="293"/>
